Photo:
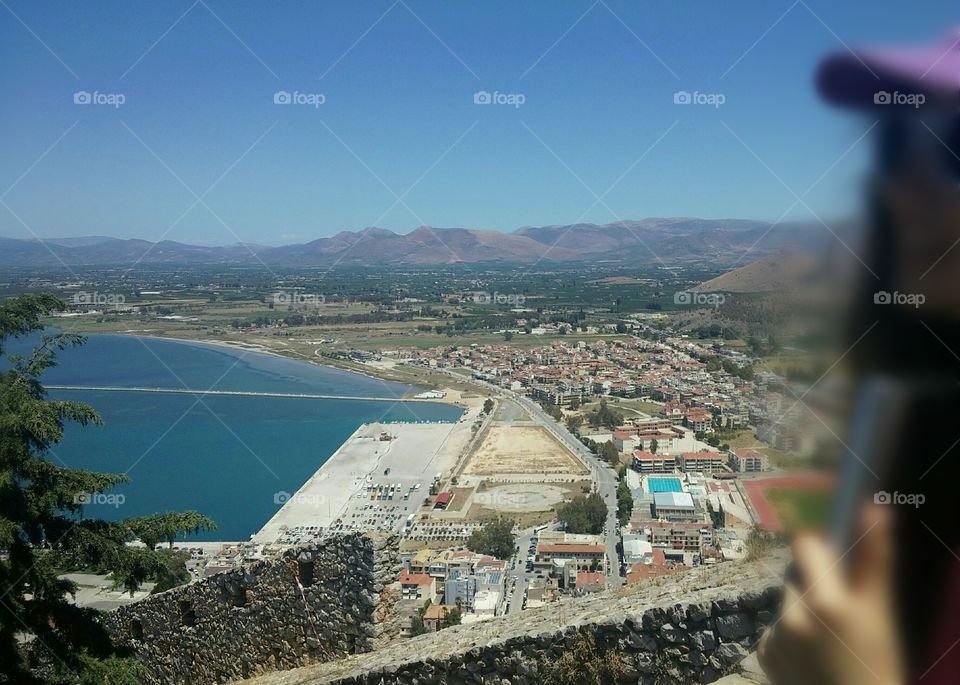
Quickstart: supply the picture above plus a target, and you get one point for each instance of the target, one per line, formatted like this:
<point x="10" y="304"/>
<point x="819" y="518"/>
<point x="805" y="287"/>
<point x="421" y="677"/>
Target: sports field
<point x="791" y="502"/>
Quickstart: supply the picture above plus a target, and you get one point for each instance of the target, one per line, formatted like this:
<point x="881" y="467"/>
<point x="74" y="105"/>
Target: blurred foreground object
<point x="879" y="603"/>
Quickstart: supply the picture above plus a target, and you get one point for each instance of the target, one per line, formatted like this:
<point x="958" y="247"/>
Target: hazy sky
<point x="181" y="138"/>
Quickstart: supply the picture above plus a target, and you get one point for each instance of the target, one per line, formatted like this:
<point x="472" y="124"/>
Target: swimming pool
<point x="664" y="485"/>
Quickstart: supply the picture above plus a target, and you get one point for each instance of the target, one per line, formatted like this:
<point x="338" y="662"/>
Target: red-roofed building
<point x="590" y="581"/>
<point x="443" y="500"/>
<point x="699" y="420"/>
<point x="417" y="586"/>
<point x="745" y="459"/>
<point x="586" y="557"/>
<point x="659" y="567"/>
<point x="706" y="462"/>
<point x="647" y="462"/>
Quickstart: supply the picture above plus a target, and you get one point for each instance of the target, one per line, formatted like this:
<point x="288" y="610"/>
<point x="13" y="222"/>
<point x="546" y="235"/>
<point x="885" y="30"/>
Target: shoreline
<point x="256" y="348"/>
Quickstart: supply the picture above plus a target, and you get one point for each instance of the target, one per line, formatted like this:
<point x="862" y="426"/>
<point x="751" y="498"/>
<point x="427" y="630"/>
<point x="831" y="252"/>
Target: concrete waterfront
<point x="377" y="479"/>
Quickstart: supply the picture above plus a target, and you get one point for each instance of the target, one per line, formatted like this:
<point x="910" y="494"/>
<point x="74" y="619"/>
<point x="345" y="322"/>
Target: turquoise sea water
<point x="223" y="456"/>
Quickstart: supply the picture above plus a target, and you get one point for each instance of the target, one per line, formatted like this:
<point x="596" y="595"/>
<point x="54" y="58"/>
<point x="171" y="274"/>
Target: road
<point x="603" y="475"/>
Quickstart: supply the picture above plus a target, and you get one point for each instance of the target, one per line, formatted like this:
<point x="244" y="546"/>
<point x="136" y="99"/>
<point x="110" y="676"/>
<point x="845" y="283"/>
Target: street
<point x="603" y="475"/>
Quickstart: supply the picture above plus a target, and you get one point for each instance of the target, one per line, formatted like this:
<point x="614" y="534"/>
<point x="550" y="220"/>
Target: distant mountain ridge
<point x="667" y="240"/>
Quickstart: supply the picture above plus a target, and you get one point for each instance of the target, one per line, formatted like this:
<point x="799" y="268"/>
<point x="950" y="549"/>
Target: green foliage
<point x="494" y="537"/>
<point x="416" y="625"/>
<point x="487" y="406"/>
<point x="609" y="453"/>
<point x="41" y="529"/>
<point x="624" y="503"/>
<point x="604" y="416"/>
<point x="452" y="617"/>
<point x="552" y="410"/>
<point x="583" y="514"/>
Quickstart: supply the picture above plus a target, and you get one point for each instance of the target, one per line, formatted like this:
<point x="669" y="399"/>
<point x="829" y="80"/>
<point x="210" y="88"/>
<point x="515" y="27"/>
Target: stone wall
<point x="254" y="619"/>
<point x="690" y="628"/>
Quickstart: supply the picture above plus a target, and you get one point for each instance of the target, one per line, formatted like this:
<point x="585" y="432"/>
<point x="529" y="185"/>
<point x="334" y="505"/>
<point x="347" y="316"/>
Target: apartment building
<point x="646" y="462"/>
<point x="745" y="460"/>
<point x="703" y="462"/>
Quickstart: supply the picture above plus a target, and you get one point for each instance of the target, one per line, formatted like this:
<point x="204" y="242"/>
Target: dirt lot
<point x="521" y="449"/>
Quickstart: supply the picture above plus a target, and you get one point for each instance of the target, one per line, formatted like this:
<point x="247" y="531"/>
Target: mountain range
<point x="670" y="241"/>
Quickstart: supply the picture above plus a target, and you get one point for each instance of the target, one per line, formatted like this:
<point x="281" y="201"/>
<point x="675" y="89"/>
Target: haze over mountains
<point x="674" y="240"/>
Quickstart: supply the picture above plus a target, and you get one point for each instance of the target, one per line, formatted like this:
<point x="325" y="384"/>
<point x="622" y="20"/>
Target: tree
<point x="41" y="528"/>
<point x="416" y="625"/>
<point x="583" y="514"/>
<point x="624" y="503"/>
<point x="604" y="416"/>
<point x="609" y="453"/>
<point x="654" y="446"/>
<point x="452" y="617"/>
<point x="508" y="336"/>
<point x="495" y="537"/>
<point x="487" y="406"/>
<point x="574" y="422"/>
<point x="553" y="411"/>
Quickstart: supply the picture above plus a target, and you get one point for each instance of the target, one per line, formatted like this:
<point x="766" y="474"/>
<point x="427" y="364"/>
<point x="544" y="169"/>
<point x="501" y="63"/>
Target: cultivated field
<point x="521" y="449"/>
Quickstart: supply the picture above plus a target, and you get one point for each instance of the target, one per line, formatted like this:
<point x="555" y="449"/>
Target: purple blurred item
<point x="880" y="78"/>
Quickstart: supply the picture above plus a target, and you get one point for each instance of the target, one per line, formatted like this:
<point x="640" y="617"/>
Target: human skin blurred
<point x="838" y="624"/>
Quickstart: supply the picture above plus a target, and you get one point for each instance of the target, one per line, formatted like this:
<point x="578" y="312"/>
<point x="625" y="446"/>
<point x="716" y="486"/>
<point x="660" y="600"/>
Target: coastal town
<point x="640" y="425"/>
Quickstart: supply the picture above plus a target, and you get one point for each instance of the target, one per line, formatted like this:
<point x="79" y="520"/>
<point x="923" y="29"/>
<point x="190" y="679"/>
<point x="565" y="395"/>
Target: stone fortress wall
<point x="255" y="618"/>
<point x="694" y="627"/>
<point x="254" y="623"/>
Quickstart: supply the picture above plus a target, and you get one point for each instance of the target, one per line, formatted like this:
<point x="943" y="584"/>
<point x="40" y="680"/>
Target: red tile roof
<point x="407" y="578"/>
<point x="590" y="578"/>
<point x="569" y="549"/>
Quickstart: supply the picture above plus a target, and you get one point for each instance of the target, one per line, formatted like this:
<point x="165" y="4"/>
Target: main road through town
<point x="603" y="475"/>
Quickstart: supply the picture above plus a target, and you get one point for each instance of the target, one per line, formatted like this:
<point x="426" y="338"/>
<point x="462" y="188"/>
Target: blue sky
<point x="398" y="117"/>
